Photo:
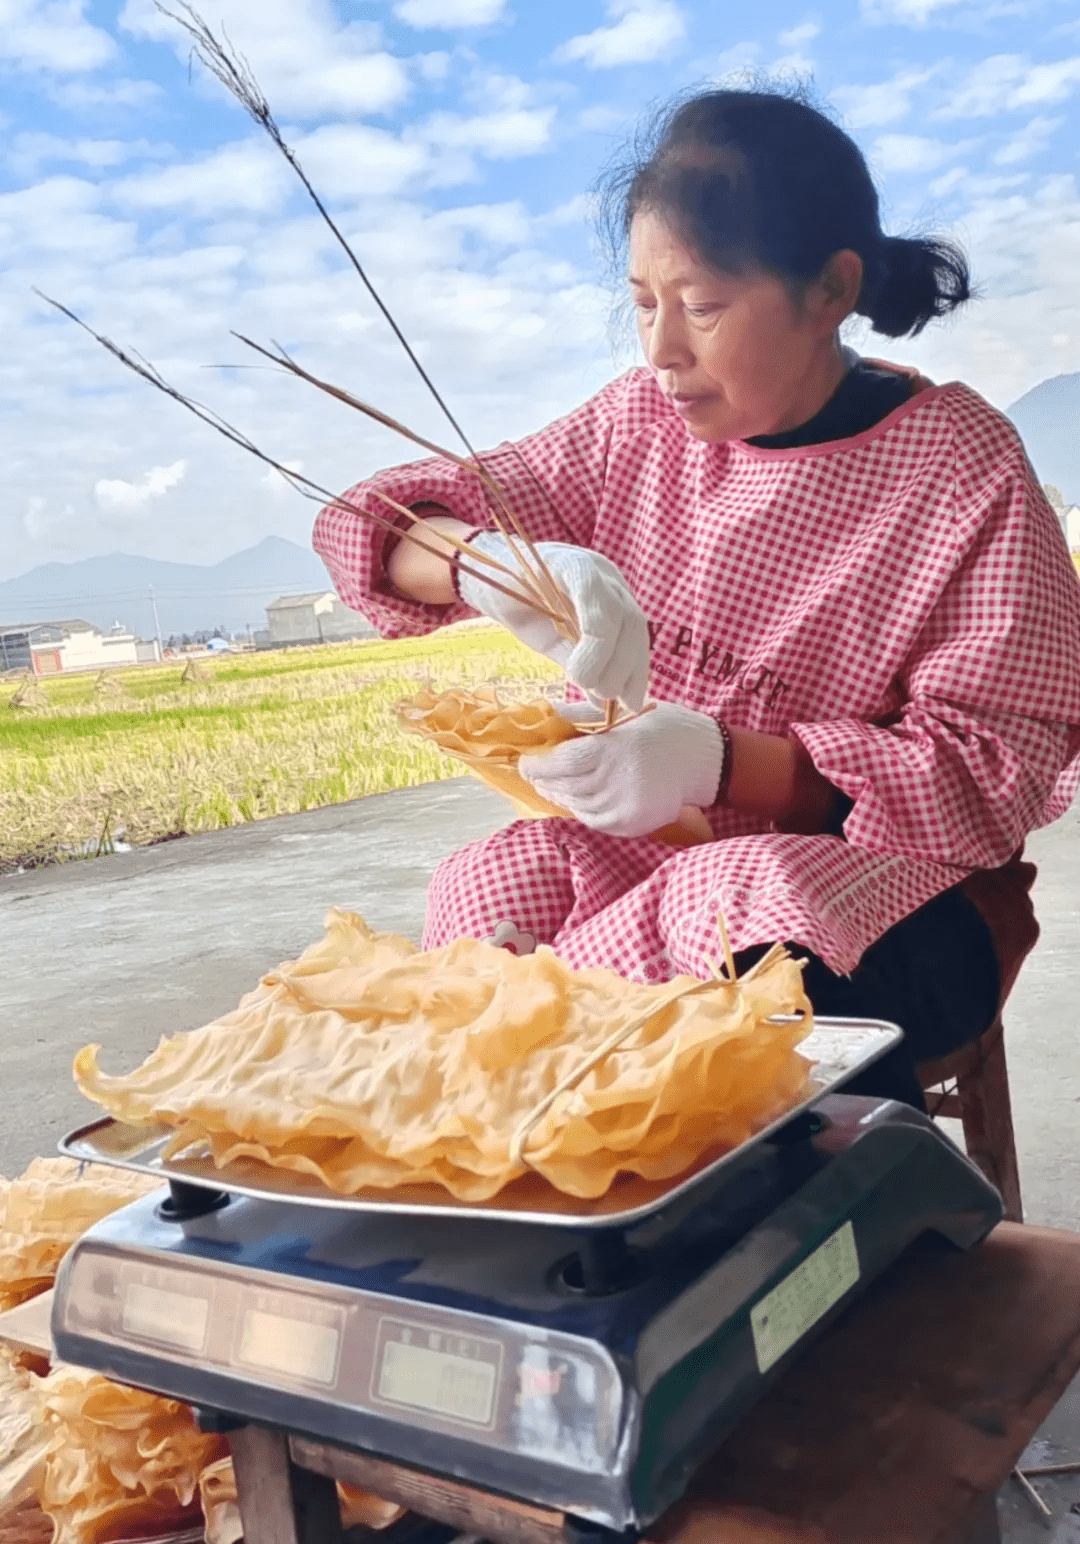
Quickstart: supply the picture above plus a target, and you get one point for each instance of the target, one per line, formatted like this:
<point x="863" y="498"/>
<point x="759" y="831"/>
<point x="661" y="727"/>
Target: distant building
<point x="316" y="617"/>
<point x="48" y="648"/>
<point x="1070" y="524"/>
<point x="148" y="650"/>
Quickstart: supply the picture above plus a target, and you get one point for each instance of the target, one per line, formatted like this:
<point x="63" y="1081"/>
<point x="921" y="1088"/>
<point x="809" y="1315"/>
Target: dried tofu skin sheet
<point x="371" y="1065"/>
<point x="24" y="1442"/>
<point x="488" y="736"/>
<point x="121" y="1463"/>
<point x="221" y="1508"/>
<point x="46" y="1209"/>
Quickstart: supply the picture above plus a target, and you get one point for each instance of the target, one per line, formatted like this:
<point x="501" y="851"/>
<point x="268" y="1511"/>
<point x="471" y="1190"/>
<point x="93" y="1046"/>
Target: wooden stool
<point x="898" y="1425"/>
<point x="972" y="1085"/>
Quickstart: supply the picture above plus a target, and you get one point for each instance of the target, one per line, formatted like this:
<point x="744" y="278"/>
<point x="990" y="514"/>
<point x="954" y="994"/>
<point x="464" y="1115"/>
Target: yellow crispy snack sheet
<point x="120" y="1463"/>
<point x="488" y="736"/>
<point x="371" y="1065"/>
<point x="46" y="1209"/>
<point x="217" y="1486"/>
<point x="23" y="1445"/>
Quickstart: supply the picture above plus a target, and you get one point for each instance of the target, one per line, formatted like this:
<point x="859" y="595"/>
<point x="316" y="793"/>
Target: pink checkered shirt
<point x="901" y="601"/>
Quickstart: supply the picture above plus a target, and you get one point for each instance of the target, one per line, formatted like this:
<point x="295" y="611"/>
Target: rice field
<point x="141" y="755"/>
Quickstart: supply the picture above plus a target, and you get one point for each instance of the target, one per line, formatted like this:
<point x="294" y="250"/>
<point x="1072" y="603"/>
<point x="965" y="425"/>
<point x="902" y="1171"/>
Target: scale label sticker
<point x="453" y="1376"/>
<point x="795" y="1305"/>
<point x="171" y="1318"/>
<point x="296" y="1348"/>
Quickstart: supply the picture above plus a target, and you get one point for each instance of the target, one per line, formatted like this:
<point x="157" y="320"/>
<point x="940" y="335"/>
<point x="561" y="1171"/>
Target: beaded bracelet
<point x="455" y="564"/>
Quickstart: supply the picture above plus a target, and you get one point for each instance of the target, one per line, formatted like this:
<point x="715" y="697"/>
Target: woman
<point x="862" y="624"/>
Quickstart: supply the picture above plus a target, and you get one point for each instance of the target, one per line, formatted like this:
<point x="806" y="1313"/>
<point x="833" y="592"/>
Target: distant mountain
<point x="190" y="597"/>
<point x="1048" y="417"/>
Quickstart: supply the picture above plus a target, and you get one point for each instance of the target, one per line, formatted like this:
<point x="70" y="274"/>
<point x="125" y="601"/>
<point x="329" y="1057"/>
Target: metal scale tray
<point x="838" y="1048"/>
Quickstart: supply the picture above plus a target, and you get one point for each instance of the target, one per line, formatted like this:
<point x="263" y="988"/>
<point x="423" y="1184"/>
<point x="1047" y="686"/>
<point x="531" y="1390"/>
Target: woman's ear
<point x="839" y="286"/>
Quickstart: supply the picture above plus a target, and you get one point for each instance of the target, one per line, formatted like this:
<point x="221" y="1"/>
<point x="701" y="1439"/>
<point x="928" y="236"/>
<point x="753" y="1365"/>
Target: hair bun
<point x="911" y="281"/>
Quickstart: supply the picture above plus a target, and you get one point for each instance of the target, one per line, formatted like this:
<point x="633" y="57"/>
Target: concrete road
<point x="126" y="948"/>
<point x="123" y="949"/>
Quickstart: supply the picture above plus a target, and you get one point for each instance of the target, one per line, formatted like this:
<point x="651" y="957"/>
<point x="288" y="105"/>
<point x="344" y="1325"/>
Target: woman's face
<point x="735" y="355"/>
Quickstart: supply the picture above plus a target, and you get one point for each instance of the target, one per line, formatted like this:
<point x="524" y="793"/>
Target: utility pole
<point x="157" y="624"/>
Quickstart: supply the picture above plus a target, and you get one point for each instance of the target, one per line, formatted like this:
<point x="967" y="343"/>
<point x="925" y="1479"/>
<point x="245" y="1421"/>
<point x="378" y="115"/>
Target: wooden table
<point x="898" y="1426"/>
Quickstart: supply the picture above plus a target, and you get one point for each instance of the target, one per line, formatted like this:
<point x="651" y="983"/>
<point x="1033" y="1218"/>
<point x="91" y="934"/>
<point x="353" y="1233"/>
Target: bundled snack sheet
<point x="369" y="1064"/>
<point x="120" y="1463"/>
<point x="23" y="1444"/>
<point x="488" y="736"/>
<point x="82" y="1460"/>
<point x="46" y="1209"/>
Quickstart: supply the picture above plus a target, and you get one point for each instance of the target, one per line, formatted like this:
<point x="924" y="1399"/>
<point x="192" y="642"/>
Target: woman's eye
<point x="709" y="310"/>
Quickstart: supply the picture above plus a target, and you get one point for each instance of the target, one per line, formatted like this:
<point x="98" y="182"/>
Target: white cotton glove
<point x="635" y="779"/>
<point x="612" y="659"/>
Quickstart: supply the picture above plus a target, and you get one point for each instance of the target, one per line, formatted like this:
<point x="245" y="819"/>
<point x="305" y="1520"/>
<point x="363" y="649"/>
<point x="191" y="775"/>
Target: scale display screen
<point x="172" y="1318"/>
<point x="184" y="1327"/>
<point x="293" y="1347"/>
<point x="449" y="1376"/>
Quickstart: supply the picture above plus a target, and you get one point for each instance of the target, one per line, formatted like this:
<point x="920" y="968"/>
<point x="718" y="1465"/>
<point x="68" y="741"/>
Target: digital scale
<point x="587" y="1362"/>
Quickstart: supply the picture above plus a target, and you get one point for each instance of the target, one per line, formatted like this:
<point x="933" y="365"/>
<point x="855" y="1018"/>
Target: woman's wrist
<point x="774" y="778"/>
<point x="423" y="573"/>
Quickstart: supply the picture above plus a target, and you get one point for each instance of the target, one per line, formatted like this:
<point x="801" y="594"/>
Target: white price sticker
<point x="296" y="1348"/>
<point x="173" y="1318"/>
<point x="796" y="1304"/>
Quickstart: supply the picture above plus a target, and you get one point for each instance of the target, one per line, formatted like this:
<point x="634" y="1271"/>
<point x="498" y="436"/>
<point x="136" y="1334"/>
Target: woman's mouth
<point x="685" y="404"/>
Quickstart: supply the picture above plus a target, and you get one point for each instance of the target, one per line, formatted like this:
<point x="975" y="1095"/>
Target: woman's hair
<point x="761" y="179"/>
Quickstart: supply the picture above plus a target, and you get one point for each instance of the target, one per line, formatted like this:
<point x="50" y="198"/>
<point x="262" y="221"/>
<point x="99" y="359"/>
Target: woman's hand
<point x="635" y="779"/>
<point x="611" y="660"/>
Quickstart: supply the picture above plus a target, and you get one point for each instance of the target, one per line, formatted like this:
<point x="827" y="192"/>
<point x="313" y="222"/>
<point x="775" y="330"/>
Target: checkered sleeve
<point x="986" y="743"/>
<point x="552" y="480"/>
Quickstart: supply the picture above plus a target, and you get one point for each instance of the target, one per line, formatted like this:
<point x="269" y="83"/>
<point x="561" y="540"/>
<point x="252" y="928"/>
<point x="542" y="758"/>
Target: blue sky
<point x="457" y="141"/>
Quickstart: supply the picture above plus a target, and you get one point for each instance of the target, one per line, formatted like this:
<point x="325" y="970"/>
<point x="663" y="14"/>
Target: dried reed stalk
<point x="539" y="577"/>
<point x="234" y="72"/>
<point x="534" y="583"/>
<point x="305" y="486"/>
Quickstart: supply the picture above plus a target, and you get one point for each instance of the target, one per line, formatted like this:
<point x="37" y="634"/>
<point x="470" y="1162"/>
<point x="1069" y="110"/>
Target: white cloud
<point x="433" y="67"/>
<point x="1031" y="140"/>
<point x="243" y="176"/>
<point x="885" y="102"/>
<point x="52" y="35"/>
<point x="602" y="120"/>
<point x="913" y="153"/>
<point x="1010" y="82"/>
<point x="498" y="136"/>
<point x="513" y="334"/>
<point x="76" y="95"/>
<point x="29" y="151"/>
<point x="59" y="215"/>
<point x="798" y="37"/>
<point x="641" y="32"/>
<point x="910" y="13"/>
<point x="352" y="161"/>
<point x="450" y="13"/>
<point x="1047" y="83"/>
<point x="279" y="487"/>
<point x="113" y="494"/>
<point x="305" y="61"/>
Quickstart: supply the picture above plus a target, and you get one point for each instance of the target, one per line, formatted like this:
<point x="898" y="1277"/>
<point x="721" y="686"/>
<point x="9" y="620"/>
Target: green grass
<point x="263" y="734"/>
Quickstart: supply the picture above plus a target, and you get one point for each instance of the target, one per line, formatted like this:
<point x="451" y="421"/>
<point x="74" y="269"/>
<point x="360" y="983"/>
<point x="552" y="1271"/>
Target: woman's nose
<point x="668" y="346"/>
